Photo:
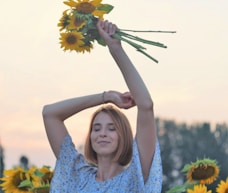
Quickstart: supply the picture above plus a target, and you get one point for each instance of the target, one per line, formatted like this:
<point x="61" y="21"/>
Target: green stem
<point x="142" y="40"/>
<point x="149" y="56"/>
<point x="137" y="46"/>
<point x="158" y="31"/>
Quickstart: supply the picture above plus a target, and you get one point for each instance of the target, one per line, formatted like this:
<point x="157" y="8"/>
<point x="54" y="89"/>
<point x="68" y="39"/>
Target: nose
<point x="103" y="133"/>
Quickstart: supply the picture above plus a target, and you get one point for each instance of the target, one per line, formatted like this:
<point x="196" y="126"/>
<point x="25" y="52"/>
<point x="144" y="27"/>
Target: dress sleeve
<point x="154" y="181"/>
<point x="70" y="169"/>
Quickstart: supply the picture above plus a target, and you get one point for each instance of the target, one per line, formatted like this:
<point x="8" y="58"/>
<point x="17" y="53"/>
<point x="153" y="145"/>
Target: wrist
<point x="115" y="48"/>
<point x="107" y="97"/>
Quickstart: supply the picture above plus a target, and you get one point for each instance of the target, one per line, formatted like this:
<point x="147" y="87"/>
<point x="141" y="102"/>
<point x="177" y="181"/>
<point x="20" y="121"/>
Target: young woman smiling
<point x="114" y="160"/>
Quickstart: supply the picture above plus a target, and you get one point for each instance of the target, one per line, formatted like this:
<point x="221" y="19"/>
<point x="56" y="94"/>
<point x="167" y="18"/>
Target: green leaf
<point x="25" y="183"/>
<point x="105" y="7"/>
<point x="177" y="189"/>
<point x="186" y="168"/>
<point x="101" y="42"/>
<point x="38" y="173"/>
<point x="190" y="185"/>
<point x="48" y="167"/>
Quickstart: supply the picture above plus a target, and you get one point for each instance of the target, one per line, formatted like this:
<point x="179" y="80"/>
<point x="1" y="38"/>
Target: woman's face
<point x="104" y="137"/>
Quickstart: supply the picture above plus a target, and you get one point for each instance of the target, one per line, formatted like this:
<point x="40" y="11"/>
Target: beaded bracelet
<point x="103" y="99"/>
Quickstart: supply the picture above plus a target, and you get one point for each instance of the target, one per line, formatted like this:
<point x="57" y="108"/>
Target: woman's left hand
<point x="122" y="100"/>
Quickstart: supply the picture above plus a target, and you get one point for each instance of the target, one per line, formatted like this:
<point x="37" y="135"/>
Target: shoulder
<point x="71" y="169"/>
<point x="69" y="155"/>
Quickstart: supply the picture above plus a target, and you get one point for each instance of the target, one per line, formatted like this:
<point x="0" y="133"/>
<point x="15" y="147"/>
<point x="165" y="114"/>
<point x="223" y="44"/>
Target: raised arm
<point x="55" y="114"/>
<point x="145" y="133"/>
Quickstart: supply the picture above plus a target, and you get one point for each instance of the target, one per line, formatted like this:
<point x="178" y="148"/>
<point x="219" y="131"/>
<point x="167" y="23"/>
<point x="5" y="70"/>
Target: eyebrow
<point x="98" y="124"/>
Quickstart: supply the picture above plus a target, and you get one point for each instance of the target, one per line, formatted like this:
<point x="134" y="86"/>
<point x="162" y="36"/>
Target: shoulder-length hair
<point x="124" y="151"/>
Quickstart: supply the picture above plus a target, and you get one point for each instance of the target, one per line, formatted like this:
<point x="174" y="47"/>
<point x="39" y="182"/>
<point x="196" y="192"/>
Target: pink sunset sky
<point x="189" y="84"/>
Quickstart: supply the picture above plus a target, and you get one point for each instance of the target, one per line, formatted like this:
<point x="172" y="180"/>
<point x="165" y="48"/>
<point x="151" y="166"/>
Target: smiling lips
<point x="103" y="142"/>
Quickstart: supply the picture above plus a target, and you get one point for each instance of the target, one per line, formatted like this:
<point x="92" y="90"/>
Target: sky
<point x="189" y="84"/>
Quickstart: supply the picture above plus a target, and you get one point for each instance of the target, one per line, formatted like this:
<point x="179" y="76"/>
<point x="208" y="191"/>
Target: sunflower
<point x="205" y="171"/>
<point x="85" y="48"/>
<point x="47" y="175"/>
<point x="13" y="178"/>
<point x="76" y="22"/>
<point x="40" y="175"/>
<point x="86" y="7"/>
<point x="64" y="21"/>
<point x="199" y="189"/>
<point x="222" y="186"/>
<point x="71" y="40"/>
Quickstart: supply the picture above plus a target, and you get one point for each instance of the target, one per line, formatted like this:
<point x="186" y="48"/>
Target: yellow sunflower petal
<point x="199" y="189"/>
<point x="96" y="3"/>
<point x="222" y="186"/>
<point x="71" y="3"/>
<point x="99" y="13"/>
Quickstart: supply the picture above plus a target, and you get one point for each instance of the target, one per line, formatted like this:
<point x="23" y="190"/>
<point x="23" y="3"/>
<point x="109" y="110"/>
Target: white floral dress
<point x="74" y="175"/>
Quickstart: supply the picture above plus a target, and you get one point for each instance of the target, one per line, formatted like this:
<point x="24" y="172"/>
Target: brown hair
<point x="125" y="148"/>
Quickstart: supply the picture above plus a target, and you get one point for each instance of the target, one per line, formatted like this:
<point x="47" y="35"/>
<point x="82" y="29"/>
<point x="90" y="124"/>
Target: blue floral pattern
<point x="74" y="175"/>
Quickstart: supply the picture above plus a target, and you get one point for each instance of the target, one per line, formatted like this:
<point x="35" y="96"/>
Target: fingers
<point x="107" y="26"/>
<point x="129" y="98"/>
<point x="128" y="104"/>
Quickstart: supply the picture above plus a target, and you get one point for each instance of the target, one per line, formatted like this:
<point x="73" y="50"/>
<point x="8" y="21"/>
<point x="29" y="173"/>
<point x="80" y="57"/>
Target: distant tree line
<point x="182" y="144"/>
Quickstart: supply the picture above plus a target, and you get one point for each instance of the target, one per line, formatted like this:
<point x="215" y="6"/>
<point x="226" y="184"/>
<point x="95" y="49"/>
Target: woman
<point x="113" y="162"/>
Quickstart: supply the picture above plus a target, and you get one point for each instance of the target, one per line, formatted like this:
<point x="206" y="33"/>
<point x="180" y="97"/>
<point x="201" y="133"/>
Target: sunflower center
<point x="71" y="39"/>
<point x="226" y="190"/>
<point x="18" y="178"/>
<point x="85" y="8"/>
<point x="47" y="177"/>
<point x="203" y="172"/>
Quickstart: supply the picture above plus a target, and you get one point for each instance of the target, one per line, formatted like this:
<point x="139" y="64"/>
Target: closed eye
<point x="111" y="127"/>
<point x="96" y="127"/>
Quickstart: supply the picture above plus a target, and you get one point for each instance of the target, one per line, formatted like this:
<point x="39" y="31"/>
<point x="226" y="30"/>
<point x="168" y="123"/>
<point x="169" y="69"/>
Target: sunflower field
<point x="199" y="174"/>
<point x="194" y="156"/>
<point x="33" y="180"/>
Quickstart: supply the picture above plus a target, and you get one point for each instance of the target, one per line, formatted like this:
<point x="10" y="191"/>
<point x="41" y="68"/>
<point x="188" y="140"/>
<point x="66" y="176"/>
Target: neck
<point x="108" y="170"/>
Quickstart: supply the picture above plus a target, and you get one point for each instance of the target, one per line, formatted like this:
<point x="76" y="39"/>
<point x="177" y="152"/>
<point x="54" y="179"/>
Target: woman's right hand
<point x="121" y="100"/>
<point x="106" y="29"/>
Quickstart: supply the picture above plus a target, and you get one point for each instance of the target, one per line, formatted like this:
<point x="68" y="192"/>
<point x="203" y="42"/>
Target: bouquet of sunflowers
<point x="199" y="174"/>
<point x="33" y="180"/>
<point x="78" y="28"/>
